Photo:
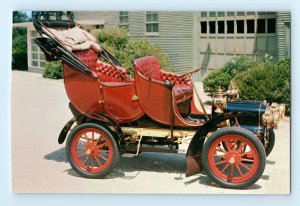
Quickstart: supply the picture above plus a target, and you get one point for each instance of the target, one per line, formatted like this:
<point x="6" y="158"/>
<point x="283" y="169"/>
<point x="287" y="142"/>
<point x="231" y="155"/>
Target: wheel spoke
<point x="92" y="162"/>
<point x="104" y="151"/>
<point x="102" y="157"/>
<point x="245" y="166"/>
<point x="241" y="147"/>
<point x="246" y="153"/>
<point x="231" y="171"/>
<point x="227" y="165"/>
<point x="86" y="137"/>
<point x="86" y="160"/>
<point x="226" y="143"/>
<point x="81" y="148"/>
<point x="82" y="142"/>
<point x="239" y="170"/>
<point x="230" y="176"/>
<point x="82" y="155"/>
<point x="101" y="145"/>
<point x="221" y="162"/>
<point x="247" y="160"/>
<point x="218" y="155"/>
<point x="98" y="161"/>
<point x="218" y="148"/>
<point x="98" y="139"/>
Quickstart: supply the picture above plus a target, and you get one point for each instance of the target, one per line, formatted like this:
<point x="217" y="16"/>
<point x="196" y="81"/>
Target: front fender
<point x="193" y="155"/>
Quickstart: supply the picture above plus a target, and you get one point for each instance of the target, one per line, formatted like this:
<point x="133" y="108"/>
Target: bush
<point x="53" y="70"/>
<point x="19" y="49"/>
<point x="223" y="76"/>
<point x="126" y="50"/>
<point x="267" y="80"/>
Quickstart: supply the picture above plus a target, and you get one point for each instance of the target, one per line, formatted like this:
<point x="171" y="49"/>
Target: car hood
<point x="246" y="105"/>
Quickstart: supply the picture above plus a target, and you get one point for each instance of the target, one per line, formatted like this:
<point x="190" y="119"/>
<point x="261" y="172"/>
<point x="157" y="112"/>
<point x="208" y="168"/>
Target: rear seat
<point x="149" y="66"/>
<point x="104" y="71"/>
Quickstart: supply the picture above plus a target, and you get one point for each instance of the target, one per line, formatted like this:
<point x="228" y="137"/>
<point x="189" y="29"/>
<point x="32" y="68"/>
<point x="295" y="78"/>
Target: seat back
<point x="104" y="71"/>
<point x="89" y="57"/>
<point x="148" y="66"/>
<point x="107" y="73"/>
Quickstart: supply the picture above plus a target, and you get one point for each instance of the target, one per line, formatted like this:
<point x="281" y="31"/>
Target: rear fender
<point x="82" y="118"/>
<point x="193" y="155"/>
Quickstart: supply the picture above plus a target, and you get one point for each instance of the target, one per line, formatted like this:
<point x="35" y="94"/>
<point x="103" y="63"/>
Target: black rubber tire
<point x="271" y="141"/>
<point x="116" y="153"/>
<point x="253" y="139"/>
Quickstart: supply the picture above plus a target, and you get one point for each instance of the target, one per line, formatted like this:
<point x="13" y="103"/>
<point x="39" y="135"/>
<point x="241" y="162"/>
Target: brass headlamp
<point x="219" y="102"/>
<point x="233" y="91"/>
<point x="281" y="111"/>
<point x="273" y="114"/>
<point x="267" y="118"/>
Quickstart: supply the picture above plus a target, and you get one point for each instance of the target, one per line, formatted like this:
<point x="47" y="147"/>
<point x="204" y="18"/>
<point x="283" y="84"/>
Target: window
<point x="212" y="27"/>
<point x="98" y="26"/>
<point x="230" y="13"/>
<point x="123" y="19"/>
<point x="221" y="27"/>
<point x="250" y="26"/>
<point x="151" y="21"/>
<point x="271" y="25"/>
<point x="230" y="27"/>
<point x="240" y="13"/>
<point x="203" y="27"/>
<point x="221" y="14"/>
<point x="261" y="26"/>
<point x="203" y="14"/>
<point x="240" y="26"/>
<point x="37" y="56"/>
<point x="212" y="14"/>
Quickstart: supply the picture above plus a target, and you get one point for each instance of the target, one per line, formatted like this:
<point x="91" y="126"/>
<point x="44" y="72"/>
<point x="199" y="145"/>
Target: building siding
<point x="109" y="19"/>
<point x="180" y="36"/>
<point x="175" y="36"/>
<point x="282" y="38"/>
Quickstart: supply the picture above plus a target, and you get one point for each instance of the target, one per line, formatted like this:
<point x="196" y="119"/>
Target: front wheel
<point x="92" y="150"/>
<point x="240" y="165"/>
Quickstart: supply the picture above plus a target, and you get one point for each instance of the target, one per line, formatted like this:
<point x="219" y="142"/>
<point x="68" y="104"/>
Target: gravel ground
<point x="40" y="110"/>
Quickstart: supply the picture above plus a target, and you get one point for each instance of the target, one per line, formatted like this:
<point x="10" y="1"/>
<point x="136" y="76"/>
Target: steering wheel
<point x="189" y="73"/>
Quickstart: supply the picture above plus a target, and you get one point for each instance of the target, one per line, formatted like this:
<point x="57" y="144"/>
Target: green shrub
<point x="267" y="80"/>
<point x="215" y="79"/>
<point x="126" y="50"/>
<point x="19" y="49"/>
<point x="223" y="76"/>
<point x="53" y="70"/>
<point x="115" y="38"/>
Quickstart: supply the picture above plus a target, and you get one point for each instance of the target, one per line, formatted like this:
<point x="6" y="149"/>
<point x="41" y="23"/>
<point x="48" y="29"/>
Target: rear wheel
<point x="92" y="150"/>
<point x="238" y="166"/>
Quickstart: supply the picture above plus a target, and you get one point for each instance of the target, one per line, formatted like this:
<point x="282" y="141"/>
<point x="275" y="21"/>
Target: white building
<point x="204" y="40"/>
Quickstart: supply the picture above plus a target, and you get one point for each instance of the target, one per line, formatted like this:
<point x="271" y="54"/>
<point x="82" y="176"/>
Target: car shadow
<point x="130" y="167"/>
<point x="146" y="161"/>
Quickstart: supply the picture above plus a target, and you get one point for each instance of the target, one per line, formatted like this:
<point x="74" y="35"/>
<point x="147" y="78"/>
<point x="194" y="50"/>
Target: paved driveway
<point x="40" y="110"/>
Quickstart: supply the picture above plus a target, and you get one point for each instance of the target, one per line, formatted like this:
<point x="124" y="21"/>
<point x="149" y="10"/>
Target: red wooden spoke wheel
<point x="92" y="150"/>
<point x="233" y="158"/>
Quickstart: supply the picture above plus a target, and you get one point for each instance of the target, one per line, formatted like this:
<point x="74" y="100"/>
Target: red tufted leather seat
<point x="149" y="66"/>
<point x="104" y="71"/>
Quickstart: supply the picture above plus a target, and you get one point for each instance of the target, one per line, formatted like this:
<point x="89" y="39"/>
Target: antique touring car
<point x="152" y="111"/>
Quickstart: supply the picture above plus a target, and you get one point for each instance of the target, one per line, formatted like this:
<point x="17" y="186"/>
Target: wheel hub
<point x="88" y="152"/>
<point x="231" y="160"/>
<point x="92" y="150"/>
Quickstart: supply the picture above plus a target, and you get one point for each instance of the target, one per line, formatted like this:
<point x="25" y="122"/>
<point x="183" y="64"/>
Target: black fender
<point x="193" y="155"/>
<point x="99" y="117"/>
